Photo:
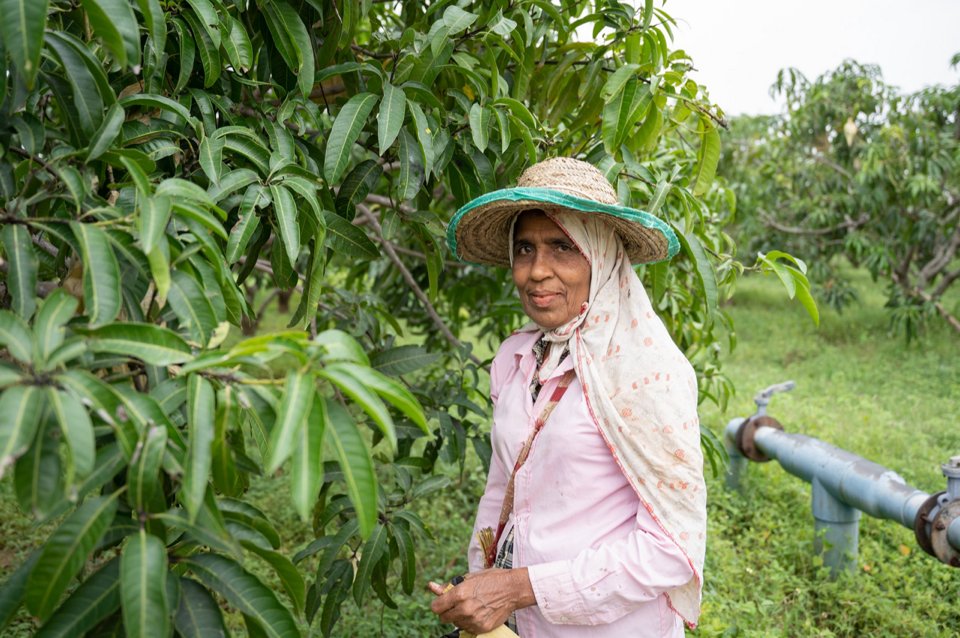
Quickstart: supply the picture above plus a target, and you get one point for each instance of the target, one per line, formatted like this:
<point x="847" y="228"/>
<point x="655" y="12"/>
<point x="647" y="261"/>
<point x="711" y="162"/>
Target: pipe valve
<point x="762" y="398"/>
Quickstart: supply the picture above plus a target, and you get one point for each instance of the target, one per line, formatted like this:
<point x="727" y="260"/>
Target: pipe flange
<point x="922" y="524"/>
<point x="747" y="432"/>
<point x="938" y="534"/>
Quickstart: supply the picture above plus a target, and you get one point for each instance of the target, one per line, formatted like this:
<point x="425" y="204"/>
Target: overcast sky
<point x="739" y="45"/>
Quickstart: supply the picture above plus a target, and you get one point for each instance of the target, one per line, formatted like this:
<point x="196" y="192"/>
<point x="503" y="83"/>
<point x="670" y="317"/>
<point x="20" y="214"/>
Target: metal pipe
<point x="953" y="534"/>
<point x="737" y="462"/>
<point x="843" y="485"/>
<point x="836" y="530"/>
<point x="855" y="481"/>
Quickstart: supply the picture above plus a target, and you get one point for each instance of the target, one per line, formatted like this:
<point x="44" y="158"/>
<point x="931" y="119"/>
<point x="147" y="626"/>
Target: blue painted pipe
<point x="843" y="485"/>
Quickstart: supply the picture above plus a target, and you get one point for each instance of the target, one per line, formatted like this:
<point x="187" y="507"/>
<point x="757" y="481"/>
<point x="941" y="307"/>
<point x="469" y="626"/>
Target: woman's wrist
<point x="524" y="595"/>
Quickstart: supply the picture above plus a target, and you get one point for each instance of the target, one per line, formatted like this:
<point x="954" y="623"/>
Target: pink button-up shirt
<point x="597" y="561"/>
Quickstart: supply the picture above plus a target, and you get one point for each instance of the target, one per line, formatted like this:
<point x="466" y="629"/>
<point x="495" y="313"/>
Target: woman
<point x="595" y="491"/>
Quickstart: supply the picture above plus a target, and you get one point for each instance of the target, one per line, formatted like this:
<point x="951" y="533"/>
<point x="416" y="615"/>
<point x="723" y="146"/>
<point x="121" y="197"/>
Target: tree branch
<point x="388" y="248"/>
<point x="848" y="224"/>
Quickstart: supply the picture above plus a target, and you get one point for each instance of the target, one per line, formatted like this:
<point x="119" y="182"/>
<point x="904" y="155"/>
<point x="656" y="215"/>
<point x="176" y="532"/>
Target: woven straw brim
<point x="480" y="231"/>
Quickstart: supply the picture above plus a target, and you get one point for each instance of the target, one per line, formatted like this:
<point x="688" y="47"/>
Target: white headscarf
<point x="641" y="392"/>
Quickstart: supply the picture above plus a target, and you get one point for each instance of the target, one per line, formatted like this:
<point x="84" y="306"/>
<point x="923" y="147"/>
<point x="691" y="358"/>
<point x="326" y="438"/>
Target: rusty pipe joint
<point x="937" y="526"/>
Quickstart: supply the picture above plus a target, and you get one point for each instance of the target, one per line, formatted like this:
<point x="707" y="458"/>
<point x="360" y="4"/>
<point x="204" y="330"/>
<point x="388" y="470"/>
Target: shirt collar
<point x="526" y="361"/>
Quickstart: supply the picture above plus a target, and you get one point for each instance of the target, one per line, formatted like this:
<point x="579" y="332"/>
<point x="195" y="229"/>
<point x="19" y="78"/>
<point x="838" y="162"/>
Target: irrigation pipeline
<point x="844" y="485"/>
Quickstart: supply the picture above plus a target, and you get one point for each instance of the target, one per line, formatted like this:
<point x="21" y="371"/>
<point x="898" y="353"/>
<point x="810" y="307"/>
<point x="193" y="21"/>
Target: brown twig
<point x="847" y="224"/>
<point x="372" y="221"/>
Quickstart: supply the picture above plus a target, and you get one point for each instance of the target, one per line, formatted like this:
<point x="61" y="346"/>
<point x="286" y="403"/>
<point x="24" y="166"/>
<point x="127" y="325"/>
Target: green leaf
<point x="804" y="296"/>
<point x="201" y="409"/>
<point x="21" y="30"/>
<point x="288" y="573"/>
<point x="198" y="615"/>
<point x="519" y="110"/>
<point x="707" y="159"/>
<point x="457" y="19"/>
<point x="298" y="396"/>
<point x="210" y="156"/>
<point x="21" y="268"/>
<point x="410" y="177"/>
<point x="188" y="54"/>
<point x="293" y="42"/>
<point x="285" y="209"/>
<point x="706" y="275"/>
<point x="37" y="476"/>
<point x="143" y="580"/>
<point x="143" y="474"/>
<point x="617" y="80"/>
<point x="159" y="261"/>
<point x="480" y="126"/>
<point x="245" y="592"/>
<point x="65" y="553"/>
<point x="96" y="598"/>
<point x="394" y="392"/>
<point x="424" y="136"/>
<point x="622" y="112"/>
<point x="659" y="195"/>
<point x="313" y="284"/>
<point x="181" y="189"/>
<point x="237" y="45"/>
<point x="408" y="561"/>
<point x="153" y="219"/>
<point x="247" y="223"/>
<point x="340" y="346"/>
<point x="89" y="87"/>
<point x="208" y="19"/>
<point x="371" y="554"/>
<point x="232" y="181"/>
<point x="55" y="311"/>
<point x="345" y="132"/>
<point x="306" y="473"/>
<point x="192" y="306"/>
<point x="346" y="239"/>
<point x="101" y="274"/>
<point x="156" y="23"/>
<point x="152" y="344"/>
<point x="15" y="336"/>
<point x="207" y="39"/>
<point x="31" y="132"/>
<point x="356" y="186"/>
<point x="20" y="411"/>
<point x="107" y="133"/>
<point x="351" y="380"/>
<point x="213" y="534"/>
<point x="354" y="459"/>
<point x="113" y="21"/>
<point x="393" y="107"/>
<point x="11" y="592"/>
<point x="77" y="432"/>
<point x="159" y="102"/>
<point x="403" y="360"/>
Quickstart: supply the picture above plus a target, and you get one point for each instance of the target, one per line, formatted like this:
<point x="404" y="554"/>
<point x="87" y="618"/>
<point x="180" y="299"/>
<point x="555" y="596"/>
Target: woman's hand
<point x="484" y="600"/>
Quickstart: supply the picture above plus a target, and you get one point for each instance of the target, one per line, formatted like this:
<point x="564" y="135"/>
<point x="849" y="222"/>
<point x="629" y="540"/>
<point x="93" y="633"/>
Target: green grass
<point x="860" y="388"/>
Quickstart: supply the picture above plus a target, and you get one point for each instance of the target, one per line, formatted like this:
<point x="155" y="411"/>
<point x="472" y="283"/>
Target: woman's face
<point x="551" y="274"/>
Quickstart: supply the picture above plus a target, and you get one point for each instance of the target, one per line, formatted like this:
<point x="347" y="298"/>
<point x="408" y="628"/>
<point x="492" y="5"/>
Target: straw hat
<point x="480" y="231"/>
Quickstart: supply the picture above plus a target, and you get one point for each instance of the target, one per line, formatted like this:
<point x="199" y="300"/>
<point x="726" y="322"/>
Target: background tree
<point x="856" y="171"/>
<point x="169" y="166"/>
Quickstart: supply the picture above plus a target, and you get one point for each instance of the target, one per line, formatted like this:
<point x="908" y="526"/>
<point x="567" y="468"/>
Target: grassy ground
<point x="862" y="389"/>
<point x="858" y="387"/>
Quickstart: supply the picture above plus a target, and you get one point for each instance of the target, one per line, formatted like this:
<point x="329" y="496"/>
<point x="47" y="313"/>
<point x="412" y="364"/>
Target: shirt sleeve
<point x="604" y="583"/>
<point x="488" y="511"/>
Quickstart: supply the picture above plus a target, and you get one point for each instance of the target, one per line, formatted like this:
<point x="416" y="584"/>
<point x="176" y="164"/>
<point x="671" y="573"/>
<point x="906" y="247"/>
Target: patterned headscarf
<point x="641" y="392"/>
